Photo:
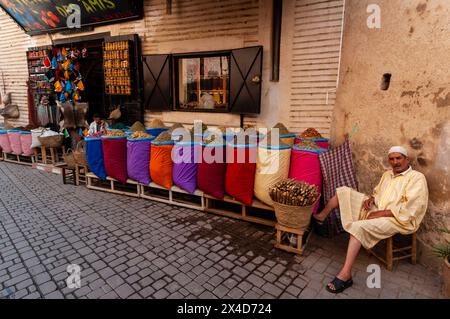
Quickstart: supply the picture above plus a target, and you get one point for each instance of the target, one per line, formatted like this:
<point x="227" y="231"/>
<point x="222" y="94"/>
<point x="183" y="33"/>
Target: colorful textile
<point x="337" y="170"/>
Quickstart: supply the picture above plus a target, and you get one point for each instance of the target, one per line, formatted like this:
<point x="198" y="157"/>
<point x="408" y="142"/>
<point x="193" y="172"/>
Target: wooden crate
<point x="301" y="240"/>
<point x="182" y="198"/>
<point x="111" y="185"/>
<point x="258" y="212"/>
<point x="173" y="196"/>
<point x="19" y="159"/>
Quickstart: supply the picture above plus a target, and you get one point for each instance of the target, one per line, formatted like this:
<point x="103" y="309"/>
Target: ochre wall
<point x="413" y="45"/>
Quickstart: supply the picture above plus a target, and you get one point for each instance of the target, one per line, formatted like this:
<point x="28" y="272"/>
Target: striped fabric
<point x="337" y="170"/>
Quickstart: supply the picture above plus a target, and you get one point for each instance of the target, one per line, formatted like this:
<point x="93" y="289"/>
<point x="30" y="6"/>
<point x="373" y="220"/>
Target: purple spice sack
<point x="184" y="172"/>
<point x="138" y="159"/>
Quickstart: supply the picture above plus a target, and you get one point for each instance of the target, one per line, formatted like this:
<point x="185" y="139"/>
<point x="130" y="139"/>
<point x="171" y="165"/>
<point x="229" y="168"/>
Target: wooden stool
<point x="68" y="174"/>
<point x="301" y="241"/>
<point x="80" y="174"/>
<point x="53" y="157"/>
<point x="396" y="250"/>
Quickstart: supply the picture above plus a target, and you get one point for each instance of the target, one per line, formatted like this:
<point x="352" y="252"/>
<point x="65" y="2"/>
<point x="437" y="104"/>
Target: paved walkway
<point x="135" y="248"/>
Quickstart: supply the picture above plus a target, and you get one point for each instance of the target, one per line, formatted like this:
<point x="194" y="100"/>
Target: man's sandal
<point x="339" y="285"/>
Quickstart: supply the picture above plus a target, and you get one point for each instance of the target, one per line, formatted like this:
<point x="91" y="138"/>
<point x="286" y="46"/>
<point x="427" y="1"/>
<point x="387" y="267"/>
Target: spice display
<point x="174" y="127"/>
<point x="311" y="133"/>
<point x="199" y="127"/>
<point x="137" y="126"/>
<point x="271" y="141"/>
<point x="163" y="137"/>
<point x="292" y="192"/>
<point x="139" y="134"/>
<point x="307" y="144"/>
<point x="117" y="70"/>
<point x="282" y="129"/>
<point x="98" y="134"/>
<point x="156" y="123"/>
<point x="116" y="133"/>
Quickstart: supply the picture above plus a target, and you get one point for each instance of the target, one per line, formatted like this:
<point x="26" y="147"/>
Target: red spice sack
<point x="240" y="172"/>
<point x="115" y="157"/>
<point x="211" y="170"/>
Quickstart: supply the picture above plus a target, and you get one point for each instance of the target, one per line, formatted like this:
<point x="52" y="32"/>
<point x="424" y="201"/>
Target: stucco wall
<point x="413" y="45"/>
<point x="310" y="46"/>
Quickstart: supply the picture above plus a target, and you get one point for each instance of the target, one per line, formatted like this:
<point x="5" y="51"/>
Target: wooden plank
<point x="239" y="216"/>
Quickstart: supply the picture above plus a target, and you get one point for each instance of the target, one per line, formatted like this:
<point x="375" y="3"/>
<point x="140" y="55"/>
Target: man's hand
<point x="368" y="203"/>
<point x="380" y="213"/>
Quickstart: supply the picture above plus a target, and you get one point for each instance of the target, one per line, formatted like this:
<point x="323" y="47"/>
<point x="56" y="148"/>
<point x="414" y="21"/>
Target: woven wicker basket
<point x="297" y="217"/>
<point x="69" y="158"/>
<point x="51" y="141"/>
<point x="80" y="154"/>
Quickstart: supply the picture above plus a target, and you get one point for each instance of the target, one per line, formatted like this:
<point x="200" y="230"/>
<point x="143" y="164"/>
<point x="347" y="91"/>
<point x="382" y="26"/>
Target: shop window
<point x="220" y="81"/>
<point x="202" y="83"/>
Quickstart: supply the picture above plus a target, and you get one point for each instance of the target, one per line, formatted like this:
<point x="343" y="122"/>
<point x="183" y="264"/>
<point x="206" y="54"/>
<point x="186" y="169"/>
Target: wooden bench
<point x="111" y="185"/>
<point x="174" y="196"/>
<point x="258" y="212"/>
<point x="396" y="248"/>
<point x="19" y="159"/>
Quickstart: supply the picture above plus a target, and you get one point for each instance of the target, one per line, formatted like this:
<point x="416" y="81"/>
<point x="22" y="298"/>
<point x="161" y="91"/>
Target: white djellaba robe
<point x="405" y="194"/>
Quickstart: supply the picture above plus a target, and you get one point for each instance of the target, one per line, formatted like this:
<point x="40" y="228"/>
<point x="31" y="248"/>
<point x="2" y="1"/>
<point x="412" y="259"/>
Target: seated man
<point x="398" y="205"/>
<point x="98" y="125"/>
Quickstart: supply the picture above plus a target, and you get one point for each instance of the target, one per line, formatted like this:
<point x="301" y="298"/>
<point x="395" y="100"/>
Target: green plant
<point x="443" y="250"/>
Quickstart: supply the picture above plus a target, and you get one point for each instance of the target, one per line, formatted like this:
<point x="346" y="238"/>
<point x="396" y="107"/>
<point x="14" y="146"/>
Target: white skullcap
<point x="398" y="149"/>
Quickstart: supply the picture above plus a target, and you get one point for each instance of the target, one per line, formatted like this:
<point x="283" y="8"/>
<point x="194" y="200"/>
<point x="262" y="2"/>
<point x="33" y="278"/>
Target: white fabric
<point x="50" y="133"/>
<point x="34" y="136"/>
<point x="93" y="127"/>
<point x="398" y="149"/>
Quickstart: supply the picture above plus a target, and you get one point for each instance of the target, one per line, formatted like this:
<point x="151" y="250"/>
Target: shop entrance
<point x="92" y="74"/>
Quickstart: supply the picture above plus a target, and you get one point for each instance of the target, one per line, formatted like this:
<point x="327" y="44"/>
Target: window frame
<point x="176" y="79"/>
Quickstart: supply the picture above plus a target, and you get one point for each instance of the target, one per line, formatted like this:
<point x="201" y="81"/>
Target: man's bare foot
<point x="320" y="218"/>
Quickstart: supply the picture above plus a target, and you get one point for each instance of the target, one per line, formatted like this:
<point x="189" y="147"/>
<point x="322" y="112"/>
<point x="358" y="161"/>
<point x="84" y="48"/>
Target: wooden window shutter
<point x="157" y="82"/>
<point x="245" y="80"/>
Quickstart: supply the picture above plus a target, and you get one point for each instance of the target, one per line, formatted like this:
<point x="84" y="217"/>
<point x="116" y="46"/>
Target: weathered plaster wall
<point x="413" y="45"/>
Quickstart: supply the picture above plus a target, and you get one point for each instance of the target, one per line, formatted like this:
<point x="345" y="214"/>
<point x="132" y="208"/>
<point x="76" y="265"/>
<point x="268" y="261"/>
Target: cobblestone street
<point x="135" y="248"/>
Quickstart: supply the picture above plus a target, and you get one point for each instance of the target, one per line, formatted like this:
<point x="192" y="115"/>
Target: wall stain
<point x="408" y="93"/>
<point x="421" y="8"/>
<point x="416" y="143"/>
<point x="441" y="102"/>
